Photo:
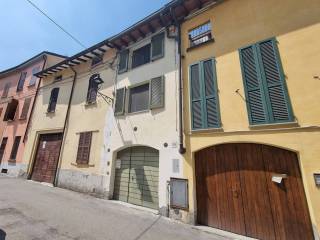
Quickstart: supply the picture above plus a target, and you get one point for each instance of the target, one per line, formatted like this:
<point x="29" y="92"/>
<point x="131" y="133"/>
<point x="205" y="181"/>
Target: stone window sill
<point x="213" y="130"/>
<point x="274" y="126"/>
<point x="82" y="165"/>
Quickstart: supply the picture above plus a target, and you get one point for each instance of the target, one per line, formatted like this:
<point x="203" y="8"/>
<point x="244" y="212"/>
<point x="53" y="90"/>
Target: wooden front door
<point x="46" y="160"/>
<point x="137" y="176"/>
<point x="236" y="193"/>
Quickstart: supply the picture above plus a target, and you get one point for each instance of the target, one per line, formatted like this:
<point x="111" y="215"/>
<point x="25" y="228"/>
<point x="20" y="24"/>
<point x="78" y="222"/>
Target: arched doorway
<point x="253" y="190"/>
<point x="137" y="176"/>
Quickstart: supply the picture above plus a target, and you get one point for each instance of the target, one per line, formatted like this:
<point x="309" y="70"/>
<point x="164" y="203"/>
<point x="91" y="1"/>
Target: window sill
<point x="274" y="125"/>
<point x="89" y="104"/>
<point x="207" y="130"/>
<point x="82" y="165"/>
<point x="201" y="44"/>
<point x="12" y="161"/>
<point x="30" y="86"/>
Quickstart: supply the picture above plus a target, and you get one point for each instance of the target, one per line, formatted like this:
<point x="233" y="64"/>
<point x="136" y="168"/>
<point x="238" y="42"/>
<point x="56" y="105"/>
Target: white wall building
<point x="141" y="145"/>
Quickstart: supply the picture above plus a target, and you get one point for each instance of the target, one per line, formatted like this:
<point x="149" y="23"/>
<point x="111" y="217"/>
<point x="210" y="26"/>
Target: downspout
<point x="65" y="127"/>
<point x="182" y="149"/>
<point x="34" y="100"/>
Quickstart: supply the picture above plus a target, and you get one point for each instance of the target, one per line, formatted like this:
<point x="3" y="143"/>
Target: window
<point x="200" y="34"/>
<point x="3" y="147"/>
<point x="34" y="78"/>
<point x="150" y="95"/>
<point x="15" y="148"/>
<point x="123" y="63"/>
<point x="139" y="98"/>
<point x="1" y="109"/>
<point x="263" y="77"/>
<point x="6" y="90"/>
<point x="58" y="78"/>
<point x="96" y="60"/>
<point x="94" y="83"/>
<point x="25" y="108"/>
<point x="141" y="56"/>
<point x="204" y="96"/>
<point x="21" y="81"/>
<point x="84" y="146"/>
<point x="53" y="100"/>
<point x="11" y="110"/>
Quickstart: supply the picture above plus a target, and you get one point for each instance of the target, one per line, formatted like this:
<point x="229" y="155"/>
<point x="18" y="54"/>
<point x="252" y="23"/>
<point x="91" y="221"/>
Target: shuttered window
<point x="157" y="92"/>
<point x="6" y="90"/>
<point x="120" y="101"/>
<point x="94" y="82"/>
<point x="141" y="56"/>
<point x="33" y="79"/>
<point x="25" y="108"/>
<point x="53" y="100"/>
<point x="123" y="62"/>
<point x="157" y="46"/>
<point x="3" y="147"/>
<point x="204" y="96"/>
<point x="15" y="148"/>
<point x="266" y="93"/>
<point x="21" y="81"/>
<point x="139" y="98"/>
<point x="11" y="110"/>
<point x="84" y="146"/>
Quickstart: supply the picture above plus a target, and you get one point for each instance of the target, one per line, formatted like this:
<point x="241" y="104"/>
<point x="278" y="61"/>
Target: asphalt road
<point x="31" y="211"/>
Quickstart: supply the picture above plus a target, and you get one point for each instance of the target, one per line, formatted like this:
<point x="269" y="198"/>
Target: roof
<point x="29" y="61"/>
<point x="165" y="16"/>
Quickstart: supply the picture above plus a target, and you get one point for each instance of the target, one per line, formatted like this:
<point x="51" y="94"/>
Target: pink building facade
<point x="18" y="89"/>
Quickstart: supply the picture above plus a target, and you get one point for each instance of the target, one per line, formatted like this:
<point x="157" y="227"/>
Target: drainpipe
<point x="34" y="100"/>
<point x="65" y="126"/>
<point x="182" y="149"/>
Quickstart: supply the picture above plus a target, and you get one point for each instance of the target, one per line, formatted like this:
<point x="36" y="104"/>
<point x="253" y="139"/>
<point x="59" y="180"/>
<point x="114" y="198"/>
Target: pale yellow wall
<point x="84" y="117"/>
<point x="235" y="24"/>
<point x="43" y="122"/>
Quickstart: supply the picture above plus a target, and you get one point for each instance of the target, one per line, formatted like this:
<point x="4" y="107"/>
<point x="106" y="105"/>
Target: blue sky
<point x="24" y="32"/>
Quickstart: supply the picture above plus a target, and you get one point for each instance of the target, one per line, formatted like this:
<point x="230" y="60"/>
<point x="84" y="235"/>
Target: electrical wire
<point x="55" y="23"/>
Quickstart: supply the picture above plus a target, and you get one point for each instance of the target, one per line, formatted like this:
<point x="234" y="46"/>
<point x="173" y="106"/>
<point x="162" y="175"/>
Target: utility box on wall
<point x="179" y="193"/>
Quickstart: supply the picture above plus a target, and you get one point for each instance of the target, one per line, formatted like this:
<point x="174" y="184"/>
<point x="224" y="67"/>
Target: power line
<point x="59" y="26"/>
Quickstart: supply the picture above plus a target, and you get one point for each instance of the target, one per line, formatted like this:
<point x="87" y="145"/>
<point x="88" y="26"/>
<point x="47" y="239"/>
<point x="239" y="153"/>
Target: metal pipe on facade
<point x="182" y="149"/>
<point x="65" y="126"/>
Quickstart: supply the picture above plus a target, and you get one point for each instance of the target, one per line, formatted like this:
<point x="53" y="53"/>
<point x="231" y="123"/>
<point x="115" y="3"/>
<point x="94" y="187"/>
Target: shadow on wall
<point x="2" y="235"/>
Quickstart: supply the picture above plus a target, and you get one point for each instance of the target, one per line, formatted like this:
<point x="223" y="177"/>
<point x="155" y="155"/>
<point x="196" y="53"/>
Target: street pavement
<point x="32" y="211"/>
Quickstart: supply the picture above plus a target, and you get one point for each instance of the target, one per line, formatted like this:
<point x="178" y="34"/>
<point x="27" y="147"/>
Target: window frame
<point x="49" y="110"/>
<point x="203" y="96"/>
<point x="80" y="148"/>
<point x="128" y="103"/>
<point x="137" y="49"/>
<point x="22" y="81"/>
<point x="34" y="79"/>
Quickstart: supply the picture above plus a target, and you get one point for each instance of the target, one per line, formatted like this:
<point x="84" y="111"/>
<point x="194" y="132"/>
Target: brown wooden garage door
<point x="235" y="192"/>
<point x="46" y="160"/>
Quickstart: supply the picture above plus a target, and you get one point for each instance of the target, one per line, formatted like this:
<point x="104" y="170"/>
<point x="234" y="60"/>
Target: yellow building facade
<point x="295" y="26"/>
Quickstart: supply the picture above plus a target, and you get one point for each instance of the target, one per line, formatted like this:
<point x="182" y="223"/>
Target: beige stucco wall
<point x="43" y="122"/>
<point x="235" y="24"/>
<point x="87" y="117"/>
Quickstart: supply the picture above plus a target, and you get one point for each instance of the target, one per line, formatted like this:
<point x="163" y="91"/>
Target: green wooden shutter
<point x="266" y="93"/>
<point x="212" y="116"/>
<point x="273" y="77"/>
<point x="196" y="97"/>
<point x="257" y="109"/>
<point x="123" y="62"/>
<point x="157" y="46"/>
<point x="156" y="92"/>
<point x="120" y="101"/>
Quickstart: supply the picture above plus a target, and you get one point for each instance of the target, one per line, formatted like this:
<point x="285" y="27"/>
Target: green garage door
<point x="137" y="176"/>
